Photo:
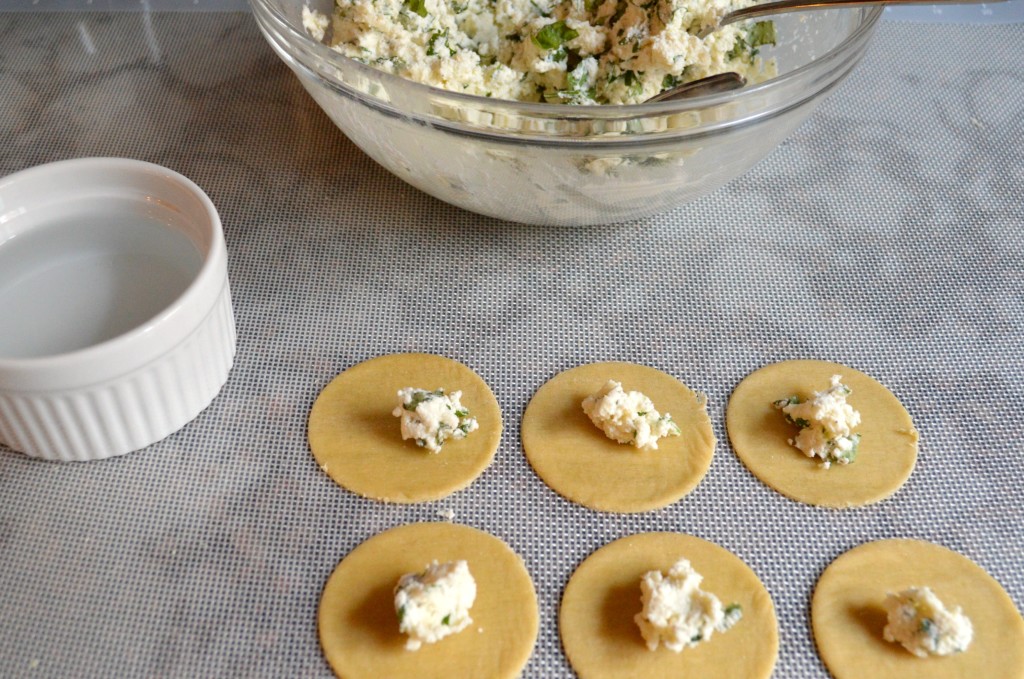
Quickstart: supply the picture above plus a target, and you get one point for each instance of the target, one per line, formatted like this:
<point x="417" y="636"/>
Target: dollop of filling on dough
<point x="677" y="612"/>
<point x="433" y="417"/>
<point x="628" y="417"/>
<point x="559" y="51"/>
<point x="919" y="621"/>
<point x="826" y="424"/>
<point x="435" y="603"/>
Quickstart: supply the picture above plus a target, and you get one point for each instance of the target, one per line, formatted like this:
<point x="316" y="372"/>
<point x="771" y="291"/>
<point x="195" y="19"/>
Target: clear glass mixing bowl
<point x="570" y="165"/>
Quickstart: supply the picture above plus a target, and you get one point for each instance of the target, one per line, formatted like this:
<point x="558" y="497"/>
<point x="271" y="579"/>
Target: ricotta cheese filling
<point x="432" y="417"/>
<point x="558" y="51"/>
<point x="315" y="23"/>
<point x="919" y="621"/>
<point x="435" y="603"/>
<point x="826" y="424"/>
<point x="677" y="612"/>
<point x="628" y="417"/>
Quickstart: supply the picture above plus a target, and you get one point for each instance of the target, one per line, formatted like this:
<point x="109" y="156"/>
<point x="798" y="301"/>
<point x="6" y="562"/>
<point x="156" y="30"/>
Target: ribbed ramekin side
<point x="132" y="411"/>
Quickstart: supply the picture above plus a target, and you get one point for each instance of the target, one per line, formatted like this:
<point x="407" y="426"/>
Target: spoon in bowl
<point x="724" y="82"/>
<point x="721" y="82"/>
<point x="780" y="6"/>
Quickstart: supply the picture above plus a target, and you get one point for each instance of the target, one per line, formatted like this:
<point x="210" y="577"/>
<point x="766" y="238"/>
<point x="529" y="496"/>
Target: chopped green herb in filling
<point x="677" y="613"/>
<point x="628" y="417"/>
<point x="920" y="622"/>
<point x="434" y="603"/>
<point x="553" y="35"/>
<point x="417" y="6"/>
<point x="567" y="51"/>
<point x="431" y="418"/>
<point x="826" y="423"/>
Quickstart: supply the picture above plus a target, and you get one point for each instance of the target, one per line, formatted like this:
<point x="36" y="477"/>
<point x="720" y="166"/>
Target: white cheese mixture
<point x="433" y="417"/>
<point x="826" y="424"/>
<point x="315" y="23"/>
<point x="919" y="621"/>
<point x="435" y="603"/>
<point x="559" y="51"/>
<point x="677" y="612"/>
<point x="628" y="417"/>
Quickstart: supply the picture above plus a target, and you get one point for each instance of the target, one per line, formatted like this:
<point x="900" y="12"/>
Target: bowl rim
<point x="546" y="110"/>
<point x="110" y="358"/>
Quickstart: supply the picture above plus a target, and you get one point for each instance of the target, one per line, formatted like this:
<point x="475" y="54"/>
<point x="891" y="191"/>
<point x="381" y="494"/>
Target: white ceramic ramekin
<point x="110" y="359"/>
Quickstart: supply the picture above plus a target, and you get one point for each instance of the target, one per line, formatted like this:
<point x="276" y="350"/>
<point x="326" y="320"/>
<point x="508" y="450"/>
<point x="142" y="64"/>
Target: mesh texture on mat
<point x="887" y="234"/>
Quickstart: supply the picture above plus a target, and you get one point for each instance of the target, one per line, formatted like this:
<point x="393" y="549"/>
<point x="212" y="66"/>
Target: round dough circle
<point x="358" y="442"/>
<point x="760" y="435"/>
<point x="358" y="627"/>
<point x="847" y="615"/>
<point x="576" y="460"/>
<point x="602" y="641"/>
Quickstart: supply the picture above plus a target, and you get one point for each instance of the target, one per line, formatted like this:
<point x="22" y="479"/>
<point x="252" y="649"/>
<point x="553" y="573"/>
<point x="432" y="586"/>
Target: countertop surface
<point x="887" y="234"/>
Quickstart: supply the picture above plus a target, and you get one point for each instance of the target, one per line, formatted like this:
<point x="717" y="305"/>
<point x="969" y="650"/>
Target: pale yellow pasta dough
<point x="760" y="435"/>
<point x="848" y="619"/>
<point x="575" y="458"/>
<point x="358" y="442"/>
<point x="358" y="626"/>
<point x="602" y="640"/>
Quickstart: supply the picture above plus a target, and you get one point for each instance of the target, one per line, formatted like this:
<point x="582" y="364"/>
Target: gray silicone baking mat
<point x="887" y="234"/>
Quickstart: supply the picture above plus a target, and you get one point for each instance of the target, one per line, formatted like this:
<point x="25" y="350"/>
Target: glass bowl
<point x="551" y="164"/>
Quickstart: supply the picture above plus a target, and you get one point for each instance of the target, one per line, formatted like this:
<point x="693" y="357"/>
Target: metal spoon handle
<point x="722" y="82"/>
<point x="780" y="6"/>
